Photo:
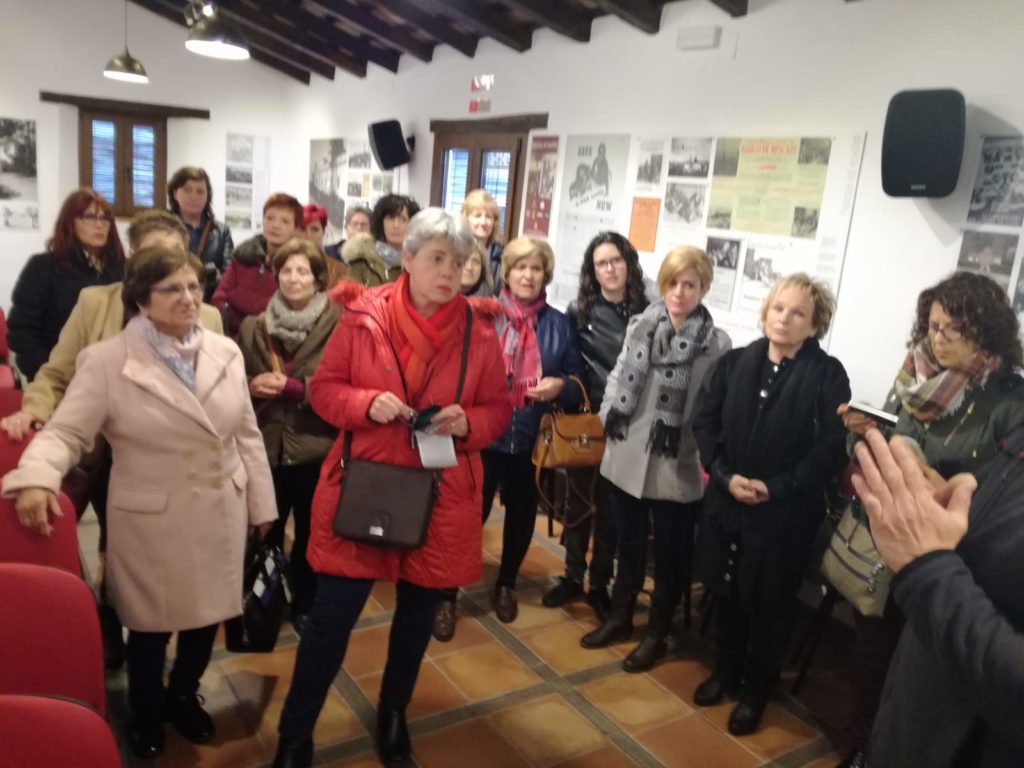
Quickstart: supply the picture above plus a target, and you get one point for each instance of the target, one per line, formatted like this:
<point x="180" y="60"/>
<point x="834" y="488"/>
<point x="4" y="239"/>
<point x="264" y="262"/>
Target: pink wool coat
<point x="190" y="474"/>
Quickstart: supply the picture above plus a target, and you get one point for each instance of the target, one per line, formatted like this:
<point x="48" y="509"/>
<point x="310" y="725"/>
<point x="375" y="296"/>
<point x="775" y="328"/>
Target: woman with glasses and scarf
<point x="189" y="477"/>
<point x="958" y="396"/>
<point x="650" y="460"/>
<point x="84" y="250"/>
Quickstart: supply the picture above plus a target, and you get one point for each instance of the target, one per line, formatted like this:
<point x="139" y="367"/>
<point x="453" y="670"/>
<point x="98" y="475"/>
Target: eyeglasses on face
<point x="194" y="289"/>
<point x="949" y="331"/>
<point x="613" y="263"/>
<point x="95" y="218"/>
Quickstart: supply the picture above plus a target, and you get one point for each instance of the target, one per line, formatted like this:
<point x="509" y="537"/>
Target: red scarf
<point x="519" y="344"/>
<point x="417" y="338"/>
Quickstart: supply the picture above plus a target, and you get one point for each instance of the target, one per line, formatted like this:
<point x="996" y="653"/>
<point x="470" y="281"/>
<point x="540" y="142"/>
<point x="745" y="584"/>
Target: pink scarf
<point x="519" y="344"/>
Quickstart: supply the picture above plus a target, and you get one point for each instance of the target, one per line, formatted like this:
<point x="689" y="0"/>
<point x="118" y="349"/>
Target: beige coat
<point x="98" y="314"/>
<point x="190" y="473"/>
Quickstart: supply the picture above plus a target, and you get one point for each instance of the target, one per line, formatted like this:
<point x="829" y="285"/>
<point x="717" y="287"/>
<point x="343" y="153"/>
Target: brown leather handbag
<point x="567" y="440"/>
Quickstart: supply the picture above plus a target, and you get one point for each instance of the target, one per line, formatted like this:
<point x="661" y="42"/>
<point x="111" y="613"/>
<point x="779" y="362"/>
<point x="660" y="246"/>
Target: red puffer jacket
<point x="357" y="365"/>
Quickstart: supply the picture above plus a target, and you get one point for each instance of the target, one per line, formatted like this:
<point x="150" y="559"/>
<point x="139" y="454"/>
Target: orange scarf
<point x="417" y="338"/>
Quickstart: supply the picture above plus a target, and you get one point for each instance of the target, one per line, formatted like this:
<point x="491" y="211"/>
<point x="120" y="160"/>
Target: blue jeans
<point x="336" y="607"/>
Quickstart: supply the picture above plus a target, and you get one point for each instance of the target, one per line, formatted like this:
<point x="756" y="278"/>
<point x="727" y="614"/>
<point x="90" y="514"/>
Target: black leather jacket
<point x="601" y="339"/>
<point x="216" y="253"/>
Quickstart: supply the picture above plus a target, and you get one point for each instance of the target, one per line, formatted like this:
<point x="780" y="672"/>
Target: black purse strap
<point x="346" y="452"/>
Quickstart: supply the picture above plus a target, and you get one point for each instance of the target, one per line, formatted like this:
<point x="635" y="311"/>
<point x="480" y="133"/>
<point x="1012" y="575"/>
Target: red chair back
<point x="49" y="638"/>
<point x="53" y="733"/>
<point x="10" y="401"/>
<point x="5" y="350"/>
<point x="18" y="544"/>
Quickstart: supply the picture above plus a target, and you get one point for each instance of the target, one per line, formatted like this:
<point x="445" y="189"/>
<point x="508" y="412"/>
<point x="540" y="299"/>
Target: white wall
<point x="801" y="67"/>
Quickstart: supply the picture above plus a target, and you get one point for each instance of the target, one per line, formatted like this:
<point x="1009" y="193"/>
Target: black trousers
<point x="294" y="486"/>
<point x="674" y="524"/>
<point x="600" y="525"/>
<point x="875" y="643"/>
<point x="336" y="607"/>
<point x="751" y="641"/>
<point x="146" y="654"/>
<point x="514" y="473"/>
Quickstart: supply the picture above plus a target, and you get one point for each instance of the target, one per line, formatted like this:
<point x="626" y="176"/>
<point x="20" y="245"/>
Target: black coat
<point x="42" y="301"/>
<point x="216" y="250"/>
<point x="601" y="339"/>
<point x="954" y="696"/>
<point x="794" y="442"/>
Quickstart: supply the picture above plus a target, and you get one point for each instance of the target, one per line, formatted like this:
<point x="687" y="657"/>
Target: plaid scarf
<point x="653" y="347"/>
<point x="417" y="338"/>
<point x="928" y="391"/>
<point x="519" y="343"/>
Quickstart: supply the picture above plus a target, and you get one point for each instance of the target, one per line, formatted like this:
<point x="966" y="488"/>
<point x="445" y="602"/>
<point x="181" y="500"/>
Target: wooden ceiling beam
<point x="642" y="14"/>
<point x="735" y="8"/>
<point x="471" y="14"/>
<point x="336" y="48"/>
<point x="437" y="27"/>
<point x="563" y="20"/>
<point x="287" y="66"/>
<point x="390" y="34"/>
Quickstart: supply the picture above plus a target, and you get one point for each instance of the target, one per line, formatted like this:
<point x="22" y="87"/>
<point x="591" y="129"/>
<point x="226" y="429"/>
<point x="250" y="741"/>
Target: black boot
<point x="187" y="715"/>
<point x="619" y="625"/>
<point x="392" y="737"/>
<point x="652" y="647"/>
<point x="294" y="755"/>
<point x="597" y="598"/>
<point x="746" y="715"/>
<point x="713" y="690"/>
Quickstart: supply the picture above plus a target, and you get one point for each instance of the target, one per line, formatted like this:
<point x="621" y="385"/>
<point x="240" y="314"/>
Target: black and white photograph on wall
<point x="355" y="188"/>
<point x="727" y="157"/>
<point x="814" y="151"/>
<point x="684" y="204"/>
<point x="758" y="269"/>
<point x="238" y="220"/>
<point x="998" y="196"/>
<point x="237" y="196"/>
<point x="724" y="253"/>
<point x="690" y="158"/>
<point x="236" y="174"/>
<point x="805" y="222"/>
<point x="989" y="253"/>
<point x="19" y="189"/>
<point x="328" y="162"/>
<point x="719" y="218"/>
<point x="651" y="160"/>
<point x="360" y="159"/>
<point x="240" y="148"/>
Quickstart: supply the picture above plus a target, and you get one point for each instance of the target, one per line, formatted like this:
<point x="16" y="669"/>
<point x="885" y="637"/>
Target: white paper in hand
<point x="436" y="451"/>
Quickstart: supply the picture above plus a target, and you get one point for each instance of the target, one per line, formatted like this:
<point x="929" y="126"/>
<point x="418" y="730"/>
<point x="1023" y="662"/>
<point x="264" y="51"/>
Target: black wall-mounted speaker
<point x="388" y="144"/>
<point x="923" y="143"/>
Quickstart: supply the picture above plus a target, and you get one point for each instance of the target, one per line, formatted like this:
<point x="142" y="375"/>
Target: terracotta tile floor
<point x="524" y="695"/>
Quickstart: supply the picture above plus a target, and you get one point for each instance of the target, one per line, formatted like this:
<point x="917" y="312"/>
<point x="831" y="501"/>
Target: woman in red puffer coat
<point x="401" y="337"/>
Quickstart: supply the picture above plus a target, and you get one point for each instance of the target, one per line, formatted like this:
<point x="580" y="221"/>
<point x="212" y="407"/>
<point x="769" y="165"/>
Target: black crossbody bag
<point x="386" y="504"/>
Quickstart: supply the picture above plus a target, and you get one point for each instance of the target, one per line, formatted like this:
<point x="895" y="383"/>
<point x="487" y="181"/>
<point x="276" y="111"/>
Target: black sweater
<point x="42" y="301"/>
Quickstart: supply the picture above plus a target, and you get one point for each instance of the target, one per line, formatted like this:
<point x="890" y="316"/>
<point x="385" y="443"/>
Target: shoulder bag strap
<point x="275" y="359"/>
<point x="203" y="236"/>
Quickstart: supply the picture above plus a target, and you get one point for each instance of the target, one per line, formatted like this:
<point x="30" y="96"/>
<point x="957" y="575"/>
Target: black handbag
<point x="265" y="599"/>
<point x="386" y="504"/>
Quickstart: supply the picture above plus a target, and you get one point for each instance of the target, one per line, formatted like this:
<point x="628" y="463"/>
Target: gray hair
<point x="354" y="211"/>
<point x="431" y="223"/>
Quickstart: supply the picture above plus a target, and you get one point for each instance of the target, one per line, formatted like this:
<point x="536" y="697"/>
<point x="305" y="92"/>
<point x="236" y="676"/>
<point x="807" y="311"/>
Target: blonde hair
<point x="478" y="253"/>
<point x="821" y="297"/>
<point x="524" y="247"/>
<point x="679" y="260"/>
<point x="480" y="199"/>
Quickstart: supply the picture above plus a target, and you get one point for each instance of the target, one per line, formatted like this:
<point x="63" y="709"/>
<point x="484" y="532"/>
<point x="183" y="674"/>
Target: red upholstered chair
<point x="18" y="544"/>
<point x="50" y="637"/>
<point x="45" y="732"/>
<point x="10" y="400"/>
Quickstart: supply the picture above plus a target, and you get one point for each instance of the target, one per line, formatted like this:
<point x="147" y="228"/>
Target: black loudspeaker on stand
<point x="388" y="144"/>
<point x="923" y="143"/>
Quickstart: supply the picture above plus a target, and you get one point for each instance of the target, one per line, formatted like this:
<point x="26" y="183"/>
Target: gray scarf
<point x="292" y="326"/>
<point x="652" y="344"/>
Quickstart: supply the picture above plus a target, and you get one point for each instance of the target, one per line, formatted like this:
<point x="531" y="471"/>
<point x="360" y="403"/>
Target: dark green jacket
<point x="292" y="431"/>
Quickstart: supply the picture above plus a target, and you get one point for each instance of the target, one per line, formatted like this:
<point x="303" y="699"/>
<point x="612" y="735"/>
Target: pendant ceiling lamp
<point x="124" y="66"/>
<point x="212" y="35"/>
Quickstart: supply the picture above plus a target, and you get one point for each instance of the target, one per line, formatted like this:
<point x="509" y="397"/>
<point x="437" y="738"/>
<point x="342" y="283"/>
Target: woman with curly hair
<point x="958" y="396"/>
<point x="611" y="291"/>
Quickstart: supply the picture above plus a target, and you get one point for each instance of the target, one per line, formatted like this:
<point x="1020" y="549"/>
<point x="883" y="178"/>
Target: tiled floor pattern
<point x="523" y="695"/>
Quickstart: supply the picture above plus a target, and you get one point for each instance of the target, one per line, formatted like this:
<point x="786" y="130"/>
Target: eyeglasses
<point x="194" y="289"/>
<point x="950" y="331"/>
<point x="96" y="218"/>
<point x="613" y="263"/>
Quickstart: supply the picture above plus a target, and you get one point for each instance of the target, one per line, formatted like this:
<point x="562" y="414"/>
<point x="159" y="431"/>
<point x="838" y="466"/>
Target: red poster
<point x="540" y="184"/>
